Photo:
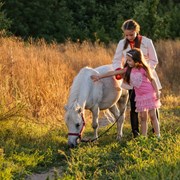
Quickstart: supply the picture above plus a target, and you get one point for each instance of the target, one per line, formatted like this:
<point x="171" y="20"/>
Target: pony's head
<point x="75" y="123"/>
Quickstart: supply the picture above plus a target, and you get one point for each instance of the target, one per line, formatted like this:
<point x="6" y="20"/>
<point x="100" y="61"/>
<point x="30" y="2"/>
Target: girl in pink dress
<point x="138" y="74"/>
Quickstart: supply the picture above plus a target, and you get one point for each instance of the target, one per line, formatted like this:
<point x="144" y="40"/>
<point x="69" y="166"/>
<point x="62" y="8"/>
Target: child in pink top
<point x="138" y="74"/>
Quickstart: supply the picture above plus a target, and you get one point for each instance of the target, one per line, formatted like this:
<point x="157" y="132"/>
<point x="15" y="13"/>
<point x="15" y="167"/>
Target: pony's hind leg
<point x="123" y="100"/>
<point x="115" y="111"/>
<point x="122" y="104"/>
<point x="95" y="124"/>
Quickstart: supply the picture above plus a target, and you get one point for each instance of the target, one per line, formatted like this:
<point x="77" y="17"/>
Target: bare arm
<point x="108" y="74"/>
<point x="154" y="84"/>
<point x="156" y="88"/>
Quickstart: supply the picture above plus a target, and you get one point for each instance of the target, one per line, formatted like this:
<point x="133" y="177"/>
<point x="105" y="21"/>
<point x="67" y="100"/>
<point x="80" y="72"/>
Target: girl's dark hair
<point x="131" y="25"/>
<point x="140" y="62"/>
<point x="127" y="74"/>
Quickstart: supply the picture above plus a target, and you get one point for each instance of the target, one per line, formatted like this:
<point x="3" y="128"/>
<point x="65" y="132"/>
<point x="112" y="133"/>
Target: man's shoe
<point x="135" y="133"/>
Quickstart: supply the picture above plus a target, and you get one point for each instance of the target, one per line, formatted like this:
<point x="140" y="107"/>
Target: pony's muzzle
<point x="71" y="145"/>
<point x="73" y="142"/>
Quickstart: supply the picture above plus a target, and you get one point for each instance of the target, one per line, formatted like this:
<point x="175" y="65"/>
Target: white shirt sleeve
<point x="152" y="56"/>
<point x="118" y="57"/>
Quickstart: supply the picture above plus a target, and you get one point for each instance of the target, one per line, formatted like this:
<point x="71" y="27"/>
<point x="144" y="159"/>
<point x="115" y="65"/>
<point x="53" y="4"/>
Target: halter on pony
<point x="79" y="135"/>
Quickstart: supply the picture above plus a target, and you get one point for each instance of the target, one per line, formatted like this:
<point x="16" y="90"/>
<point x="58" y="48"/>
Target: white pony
<point x="94" y="96"/>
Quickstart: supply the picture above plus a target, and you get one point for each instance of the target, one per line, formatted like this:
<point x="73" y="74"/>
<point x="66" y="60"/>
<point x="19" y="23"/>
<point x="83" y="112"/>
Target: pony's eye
<point x="77" y="125"/>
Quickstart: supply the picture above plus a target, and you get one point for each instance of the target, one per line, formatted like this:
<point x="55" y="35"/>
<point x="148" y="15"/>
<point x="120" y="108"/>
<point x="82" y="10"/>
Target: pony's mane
<point x="77" y="84"/>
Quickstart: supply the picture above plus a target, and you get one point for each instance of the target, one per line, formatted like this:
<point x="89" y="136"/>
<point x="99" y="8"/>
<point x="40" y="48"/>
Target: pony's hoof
<point x="119" y="137"/>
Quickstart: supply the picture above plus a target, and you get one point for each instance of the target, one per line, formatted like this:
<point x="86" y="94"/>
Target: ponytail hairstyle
<point x="130" y="24"/>
<point x="140" y="62"/>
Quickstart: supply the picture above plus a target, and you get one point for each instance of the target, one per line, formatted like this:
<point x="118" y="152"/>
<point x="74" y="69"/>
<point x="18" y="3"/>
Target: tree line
<point x="95" y="20"/>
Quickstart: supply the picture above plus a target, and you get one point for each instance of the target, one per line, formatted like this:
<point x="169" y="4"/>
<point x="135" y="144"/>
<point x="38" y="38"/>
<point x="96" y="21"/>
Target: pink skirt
<point x="147" y="102"/>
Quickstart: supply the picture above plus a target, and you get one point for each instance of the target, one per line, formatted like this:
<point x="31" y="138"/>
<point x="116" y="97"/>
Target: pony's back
<point x="89" y="93"/>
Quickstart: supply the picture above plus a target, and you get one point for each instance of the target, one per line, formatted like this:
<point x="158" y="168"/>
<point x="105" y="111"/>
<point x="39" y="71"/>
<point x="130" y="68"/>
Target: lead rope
<point x="92" y="140"/>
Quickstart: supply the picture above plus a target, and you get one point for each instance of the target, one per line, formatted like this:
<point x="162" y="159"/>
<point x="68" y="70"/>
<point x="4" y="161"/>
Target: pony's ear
<point x="79" y="110"/>
<point x="66" y="107"/>
<point x="77" y="107"/>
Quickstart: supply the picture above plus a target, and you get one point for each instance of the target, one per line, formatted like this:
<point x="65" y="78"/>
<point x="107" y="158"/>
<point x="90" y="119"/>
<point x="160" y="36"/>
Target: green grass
<point x="135" y="159"/>
<point x="26" y="148"/>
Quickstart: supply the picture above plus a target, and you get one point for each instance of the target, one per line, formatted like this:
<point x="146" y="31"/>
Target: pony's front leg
<point x="95" y="123"/>
<point x="120" y="124"/>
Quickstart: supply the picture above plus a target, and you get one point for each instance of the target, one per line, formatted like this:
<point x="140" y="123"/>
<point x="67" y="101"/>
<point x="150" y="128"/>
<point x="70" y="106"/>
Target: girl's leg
<point x="144" y="127"/>
<point x="157" y="114"/>
<point x="155" y="122"/>
<point x="133" y="114"/>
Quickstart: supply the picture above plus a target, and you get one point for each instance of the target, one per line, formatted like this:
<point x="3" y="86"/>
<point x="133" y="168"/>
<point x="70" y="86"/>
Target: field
<point x="35" y="78"/>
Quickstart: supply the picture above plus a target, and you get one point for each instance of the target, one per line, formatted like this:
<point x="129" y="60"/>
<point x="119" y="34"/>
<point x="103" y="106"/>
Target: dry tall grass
<point x="39" y="75"/>
<point x="169" y="65"/>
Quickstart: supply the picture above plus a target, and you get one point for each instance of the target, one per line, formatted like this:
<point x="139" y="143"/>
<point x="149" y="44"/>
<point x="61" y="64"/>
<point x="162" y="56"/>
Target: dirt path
<point x="50" y="175"/>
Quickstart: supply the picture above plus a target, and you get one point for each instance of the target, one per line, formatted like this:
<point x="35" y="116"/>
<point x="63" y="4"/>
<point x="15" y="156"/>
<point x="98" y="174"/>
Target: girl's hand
<point x="95" y="78"/>
<point x="158" y="94"/>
